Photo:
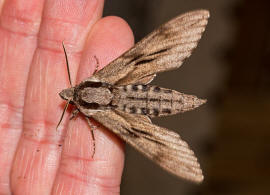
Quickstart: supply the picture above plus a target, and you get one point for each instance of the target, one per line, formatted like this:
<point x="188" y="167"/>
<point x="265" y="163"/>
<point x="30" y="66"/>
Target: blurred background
<point x="231" y="68"/>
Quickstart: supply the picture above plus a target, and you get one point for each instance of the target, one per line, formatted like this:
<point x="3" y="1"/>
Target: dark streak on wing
<point x="135" y="58"/>
<point x="144" y="61"/>
<point x="156" y="141"/>
<point x="142" y="132"/>
<point x="130" y="133"/>
<point x="159" y="52"/>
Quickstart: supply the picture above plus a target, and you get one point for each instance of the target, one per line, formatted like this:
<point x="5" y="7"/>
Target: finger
<point x="78" y="172"/>
<point x="19" y="26"/>
<point x="39" y="149"/>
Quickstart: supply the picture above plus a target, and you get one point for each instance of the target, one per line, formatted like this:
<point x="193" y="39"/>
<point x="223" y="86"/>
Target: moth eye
<point x="133" y="109"/>
<point x="134" y="87"/>
<point x="157" y="89"/>
<point x="155" y="112"/>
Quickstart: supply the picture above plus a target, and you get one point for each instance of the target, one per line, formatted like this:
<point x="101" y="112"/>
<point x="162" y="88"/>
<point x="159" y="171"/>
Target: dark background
<point x="230" y="134"/>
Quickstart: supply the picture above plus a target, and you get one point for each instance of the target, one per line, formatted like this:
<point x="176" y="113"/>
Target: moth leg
<point x="97" y="66"/>
<point x="74" y="114"/>
<point x="92" y="127"/>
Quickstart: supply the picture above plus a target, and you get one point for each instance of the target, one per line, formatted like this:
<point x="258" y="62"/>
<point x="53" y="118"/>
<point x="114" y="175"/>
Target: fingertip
<point x="119" y="29"/>
<point x="110" y="37"/>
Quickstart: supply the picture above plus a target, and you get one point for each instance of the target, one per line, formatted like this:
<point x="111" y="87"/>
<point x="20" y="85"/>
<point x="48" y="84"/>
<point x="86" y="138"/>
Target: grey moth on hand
<point x="120" y="98"/>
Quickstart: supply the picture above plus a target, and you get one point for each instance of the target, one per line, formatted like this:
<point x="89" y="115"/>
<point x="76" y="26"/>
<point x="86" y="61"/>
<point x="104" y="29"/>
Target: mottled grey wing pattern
<point x="161" y="145"/>
<point x="164" y="49"/>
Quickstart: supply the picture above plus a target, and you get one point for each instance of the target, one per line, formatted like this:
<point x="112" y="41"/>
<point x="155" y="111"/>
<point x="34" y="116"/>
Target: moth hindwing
<point x="119" y="97"/>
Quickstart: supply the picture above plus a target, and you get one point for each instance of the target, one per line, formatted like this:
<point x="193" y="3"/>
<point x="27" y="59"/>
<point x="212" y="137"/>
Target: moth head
<point x="67" y="94"/>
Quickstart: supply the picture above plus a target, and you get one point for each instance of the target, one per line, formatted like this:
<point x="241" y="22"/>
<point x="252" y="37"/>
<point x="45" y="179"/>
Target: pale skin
<point x="34" y="157"/>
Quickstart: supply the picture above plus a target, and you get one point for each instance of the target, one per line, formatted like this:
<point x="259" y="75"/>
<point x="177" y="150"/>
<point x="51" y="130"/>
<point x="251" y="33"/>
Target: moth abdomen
<point x="152" y="101"/>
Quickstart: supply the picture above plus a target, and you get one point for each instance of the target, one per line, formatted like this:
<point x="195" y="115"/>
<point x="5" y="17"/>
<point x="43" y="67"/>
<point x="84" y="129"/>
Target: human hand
<point x="34" y="157"/>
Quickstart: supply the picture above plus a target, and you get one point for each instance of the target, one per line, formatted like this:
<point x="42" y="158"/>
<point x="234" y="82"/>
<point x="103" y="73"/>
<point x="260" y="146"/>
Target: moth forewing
<point x="164" y="49"/>
<point x="119" y="97"/>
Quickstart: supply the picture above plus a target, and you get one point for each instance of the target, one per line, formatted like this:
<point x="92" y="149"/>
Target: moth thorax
<point x="100" y="95"/>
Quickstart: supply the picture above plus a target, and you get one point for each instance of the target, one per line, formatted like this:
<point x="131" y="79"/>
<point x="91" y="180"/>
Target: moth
<point x="120" y="98"/>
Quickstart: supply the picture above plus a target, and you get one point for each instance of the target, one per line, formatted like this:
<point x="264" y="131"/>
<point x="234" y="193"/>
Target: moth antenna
<point x="67" y="64"/>
<point x="62" y="116"/>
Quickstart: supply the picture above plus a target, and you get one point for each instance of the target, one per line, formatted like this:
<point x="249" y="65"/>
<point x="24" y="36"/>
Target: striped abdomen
<point x="152" y="100"/>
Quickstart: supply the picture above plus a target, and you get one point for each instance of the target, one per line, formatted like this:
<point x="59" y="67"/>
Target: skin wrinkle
<point x="93" y="181"/>
<point x="40" y="162"/>
<point x="80" y="159"/>
<point x="32" y="174"/>
<point x="17" y="17"/>
<point x="42" y="142"/>
<point x="59" y="189"/>
<point x="7" y="28"/>
<point x="69" y="142"/>
<point x="82" y="151"/>
<point x="20" y="169"/>
<point x="3" y="58"/>
<point x="72" y="36"/>
<point x="59" y="50"/>
<point x="39" y="125"/>
<point x="23" y="160"/>
<point x="64" y="21"/>
<point x="40" y="83"/>
<point x="7" y="107"/>
<point x="62" y="189"/>
<point x="10" y="121"/>
<point x="46" y="86"/>
<point x="71" y="189"/>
